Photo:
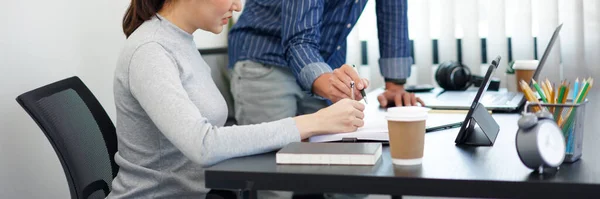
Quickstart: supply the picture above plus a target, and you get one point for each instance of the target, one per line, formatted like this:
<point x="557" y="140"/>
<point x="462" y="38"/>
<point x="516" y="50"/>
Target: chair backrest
<point x="80" y="131"/>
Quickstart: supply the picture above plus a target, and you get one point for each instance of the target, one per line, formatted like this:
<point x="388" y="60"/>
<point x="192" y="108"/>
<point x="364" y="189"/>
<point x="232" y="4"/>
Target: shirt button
<point x="338" y="47"/>
<point x="349" y="25"/>
<point x="356" y="1"/>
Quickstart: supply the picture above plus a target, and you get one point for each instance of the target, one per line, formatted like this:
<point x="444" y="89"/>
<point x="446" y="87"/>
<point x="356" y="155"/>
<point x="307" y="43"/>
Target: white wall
<point x="42" y="42"/>
<point x="46" y="41"/>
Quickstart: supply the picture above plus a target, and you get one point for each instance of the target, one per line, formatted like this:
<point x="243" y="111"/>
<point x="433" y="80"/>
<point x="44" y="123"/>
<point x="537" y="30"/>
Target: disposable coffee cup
<point x="524" y="70"/>
<point x="406" y="129"/>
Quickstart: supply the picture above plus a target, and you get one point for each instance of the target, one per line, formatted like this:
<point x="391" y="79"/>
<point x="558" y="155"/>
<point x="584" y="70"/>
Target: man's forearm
<point x="396" y="81"/>
<point x="393" y="86"/>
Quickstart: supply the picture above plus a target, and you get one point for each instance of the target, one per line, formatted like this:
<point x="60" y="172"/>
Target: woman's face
<point x="212" y="15"/>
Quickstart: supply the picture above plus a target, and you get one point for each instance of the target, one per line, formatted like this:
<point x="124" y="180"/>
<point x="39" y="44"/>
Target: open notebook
<point x="375" y="128"/>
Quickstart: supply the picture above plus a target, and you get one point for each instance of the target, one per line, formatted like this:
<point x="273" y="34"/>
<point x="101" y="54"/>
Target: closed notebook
<point x="329" y="153"/>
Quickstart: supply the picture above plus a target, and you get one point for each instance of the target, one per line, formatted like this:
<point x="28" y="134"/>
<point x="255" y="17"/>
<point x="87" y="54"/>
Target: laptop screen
<point x="543" y="60"/>
<point x="546" y="52"/>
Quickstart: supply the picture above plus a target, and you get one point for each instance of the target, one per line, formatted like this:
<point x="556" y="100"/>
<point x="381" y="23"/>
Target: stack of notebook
<point x="329" y="153"/>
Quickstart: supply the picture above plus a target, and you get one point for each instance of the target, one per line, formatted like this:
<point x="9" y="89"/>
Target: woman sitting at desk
<point x="170" y="113"/>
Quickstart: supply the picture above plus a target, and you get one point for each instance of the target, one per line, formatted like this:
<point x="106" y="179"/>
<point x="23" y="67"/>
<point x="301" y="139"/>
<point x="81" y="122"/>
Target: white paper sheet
<point x="375" y="127"/>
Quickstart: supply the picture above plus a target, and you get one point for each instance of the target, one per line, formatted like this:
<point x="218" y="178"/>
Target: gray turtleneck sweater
<point x="170" y="118"/>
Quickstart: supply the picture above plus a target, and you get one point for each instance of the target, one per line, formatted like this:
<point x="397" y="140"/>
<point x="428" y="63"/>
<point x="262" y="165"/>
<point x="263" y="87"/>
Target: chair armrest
<point x="95" y="186"/>
<point x="221" y="194"/>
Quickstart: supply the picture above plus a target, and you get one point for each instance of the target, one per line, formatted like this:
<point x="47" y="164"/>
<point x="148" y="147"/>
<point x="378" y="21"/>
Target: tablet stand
<point x="482" y="129"/>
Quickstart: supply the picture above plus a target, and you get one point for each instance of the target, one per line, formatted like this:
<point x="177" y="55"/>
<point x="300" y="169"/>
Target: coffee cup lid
<point x="525" y="64"/>
<point x="407" y="113"/>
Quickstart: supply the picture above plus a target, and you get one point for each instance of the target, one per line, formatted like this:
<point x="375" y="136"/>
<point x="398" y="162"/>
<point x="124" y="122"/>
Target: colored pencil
<point x="580" y="97"/>
<point x="575" y="89"/>
<point x="530" y="96"/>
<point x="561" y="94"/>
<point x="539" y="90"/>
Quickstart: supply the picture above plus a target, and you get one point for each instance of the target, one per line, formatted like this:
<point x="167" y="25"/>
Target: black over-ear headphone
<point x="452" y="75"/>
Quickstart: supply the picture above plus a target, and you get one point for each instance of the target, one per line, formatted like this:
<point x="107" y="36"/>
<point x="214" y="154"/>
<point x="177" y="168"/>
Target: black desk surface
<point x="447" y="170"/>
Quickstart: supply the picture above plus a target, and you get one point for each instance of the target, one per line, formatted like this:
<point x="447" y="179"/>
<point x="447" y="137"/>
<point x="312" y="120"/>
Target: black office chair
<point x="80" y="131"/>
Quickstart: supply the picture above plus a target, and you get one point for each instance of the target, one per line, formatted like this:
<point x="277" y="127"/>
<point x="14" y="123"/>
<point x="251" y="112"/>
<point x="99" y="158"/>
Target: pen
<point x="443" y="127"/>
<point x="362" y="92"/>
<point x="352" y="89"/>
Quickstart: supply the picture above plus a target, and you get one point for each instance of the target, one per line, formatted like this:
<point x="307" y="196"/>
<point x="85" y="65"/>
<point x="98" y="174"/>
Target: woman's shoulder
<point x="147" y="48"/>
<point x="152" y="36"/>
<point x="143" y="35"/>
<point x="140" y="51"/>
<point x="143" y="41"/>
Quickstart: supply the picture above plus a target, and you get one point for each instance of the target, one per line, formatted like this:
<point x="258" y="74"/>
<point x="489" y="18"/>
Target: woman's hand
<point x="344" y="116"/>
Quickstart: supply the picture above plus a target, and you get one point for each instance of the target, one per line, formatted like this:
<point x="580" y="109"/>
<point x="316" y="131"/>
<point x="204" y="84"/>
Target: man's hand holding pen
<point x="340" y="84"/>
<point x="335" y="86"/>
<point x="339" y="87"/>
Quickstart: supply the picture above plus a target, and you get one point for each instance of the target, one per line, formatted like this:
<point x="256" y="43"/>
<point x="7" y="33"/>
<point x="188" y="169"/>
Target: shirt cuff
<point x="395" y="68"/>
<point x="310" y="72"/>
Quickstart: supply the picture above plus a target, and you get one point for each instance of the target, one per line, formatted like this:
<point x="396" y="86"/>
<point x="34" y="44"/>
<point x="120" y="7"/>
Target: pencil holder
<point x="571" y="120"/>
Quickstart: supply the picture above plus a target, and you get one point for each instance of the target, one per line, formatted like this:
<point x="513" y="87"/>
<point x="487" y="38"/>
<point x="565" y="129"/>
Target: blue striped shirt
<point x="309" y="36"/>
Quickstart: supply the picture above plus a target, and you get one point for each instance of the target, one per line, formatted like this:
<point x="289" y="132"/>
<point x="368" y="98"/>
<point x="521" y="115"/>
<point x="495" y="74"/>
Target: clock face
<point x="551" y="144"/>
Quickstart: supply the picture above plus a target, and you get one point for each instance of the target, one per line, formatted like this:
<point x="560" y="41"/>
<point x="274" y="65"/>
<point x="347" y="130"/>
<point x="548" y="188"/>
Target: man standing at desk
<point x="288" y="56"/>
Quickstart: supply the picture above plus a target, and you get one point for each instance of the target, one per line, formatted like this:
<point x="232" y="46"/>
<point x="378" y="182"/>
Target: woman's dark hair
<point x="138" y="12"/>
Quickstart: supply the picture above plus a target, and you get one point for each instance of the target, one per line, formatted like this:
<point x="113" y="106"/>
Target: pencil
<point x="567" y="91"/>
<point x="581" y="90"/>
<point x="539" y="90"/>
<point x="575" y="89"/>
<point x="564" y="101"/>
<point x="546" y="92"/>
<point x="529" y="95"/>
<point x="574" y="101"/>
<point x="549" y="85"/>
<point x="550" y="91"/>
<point x="580" y="97"/>
<point x="590" y="84"/>
<point x="523" y="86"/>
<point x="561" y="94"/>
<point x="554" y="91"/>
<point x="567" y="126"/>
